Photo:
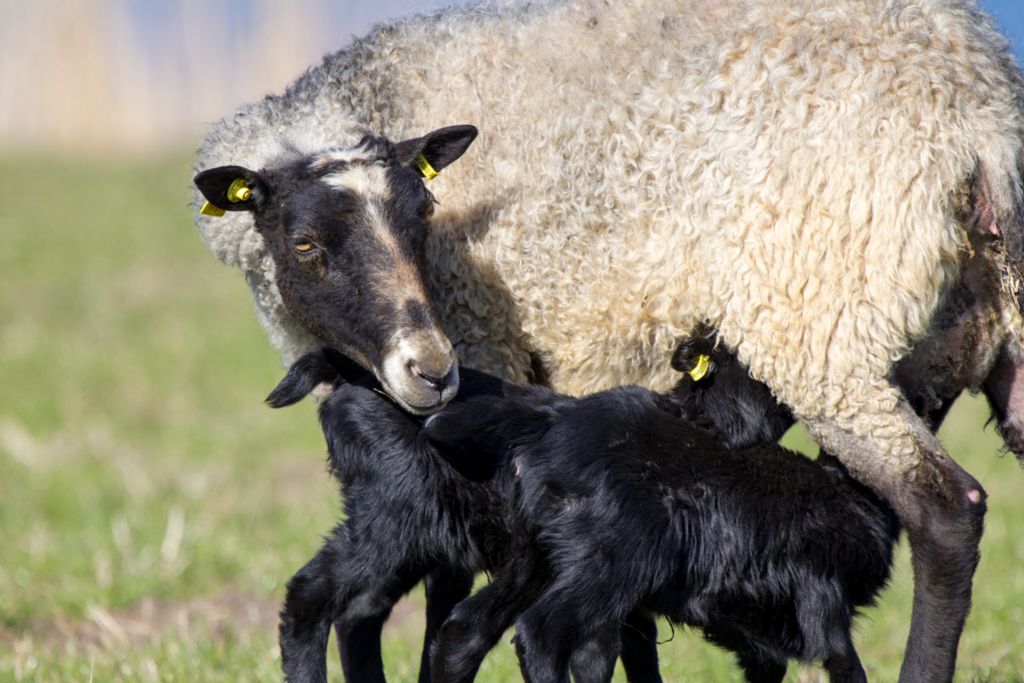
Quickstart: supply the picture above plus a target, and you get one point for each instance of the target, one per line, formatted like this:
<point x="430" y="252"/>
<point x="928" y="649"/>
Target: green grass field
<point x="151" y="508"/>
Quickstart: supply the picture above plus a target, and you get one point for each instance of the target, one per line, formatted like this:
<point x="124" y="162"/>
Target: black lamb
<point x="413" y="512"/>
<point x="630" y="508"/>
<point x="594" y="512"/>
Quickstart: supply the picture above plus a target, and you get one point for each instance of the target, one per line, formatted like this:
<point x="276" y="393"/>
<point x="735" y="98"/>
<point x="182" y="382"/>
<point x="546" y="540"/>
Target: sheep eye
<point x="304" y="247"/>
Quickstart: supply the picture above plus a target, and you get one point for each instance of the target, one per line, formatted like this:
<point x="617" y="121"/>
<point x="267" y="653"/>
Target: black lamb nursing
<point x="595" y="512"/>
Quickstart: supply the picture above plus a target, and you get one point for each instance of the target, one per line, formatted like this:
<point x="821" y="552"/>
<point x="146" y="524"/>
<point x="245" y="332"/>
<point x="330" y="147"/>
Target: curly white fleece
<point x="779" y="169"/>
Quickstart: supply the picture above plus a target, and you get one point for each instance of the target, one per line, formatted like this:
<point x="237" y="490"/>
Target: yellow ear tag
<point x="238" y="191"/>
<point x="209" y="209"/>
<point x="426" y="169"/>
<point x="699" y="370"/>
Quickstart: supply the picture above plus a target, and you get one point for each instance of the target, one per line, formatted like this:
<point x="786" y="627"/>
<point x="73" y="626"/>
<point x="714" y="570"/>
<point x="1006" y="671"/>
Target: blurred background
<point x="144" y="76"/>
<point x="151" y="508"/>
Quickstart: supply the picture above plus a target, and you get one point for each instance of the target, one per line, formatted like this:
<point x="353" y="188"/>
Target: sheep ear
<point x="432" y="152"/>
<point x="231" y="188"/>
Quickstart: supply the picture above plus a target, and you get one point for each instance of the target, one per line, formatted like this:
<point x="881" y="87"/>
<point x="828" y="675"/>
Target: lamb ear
<point x="693" y="357"/>
<point x="432" y="152"/>
<point x="231" y="188"/>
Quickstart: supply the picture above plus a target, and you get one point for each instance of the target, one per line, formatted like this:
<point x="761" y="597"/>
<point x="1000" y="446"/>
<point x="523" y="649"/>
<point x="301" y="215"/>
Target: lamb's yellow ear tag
<point x="209" y="209"/>
<point x="426" y="170"/>
<point x="698" y="371"/>
<point x="239" y="191"/>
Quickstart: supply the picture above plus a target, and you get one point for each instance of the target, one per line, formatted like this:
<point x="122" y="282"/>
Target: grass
<point x="151" y="507"/>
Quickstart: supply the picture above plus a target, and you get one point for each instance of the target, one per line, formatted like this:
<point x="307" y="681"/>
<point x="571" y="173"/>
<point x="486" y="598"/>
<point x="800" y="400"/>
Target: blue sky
<point x="1010" y="16"/>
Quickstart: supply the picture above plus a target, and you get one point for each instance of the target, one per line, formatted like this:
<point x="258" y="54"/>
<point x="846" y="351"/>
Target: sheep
<point x="736" y="410"/>
<point x="726" y="384"/>
<point x="804" y="176"/>
<point x="791" y="608"/>
<point x="409" y="510"/>
<point x="329" y="213"/>
<point x="345" y="229"/>
<point x="610" y="495"/>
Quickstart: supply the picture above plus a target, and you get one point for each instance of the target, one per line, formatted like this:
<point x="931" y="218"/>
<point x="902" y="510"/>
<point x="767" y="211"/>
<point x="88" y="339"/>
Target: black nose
<point x="434" y="382"/>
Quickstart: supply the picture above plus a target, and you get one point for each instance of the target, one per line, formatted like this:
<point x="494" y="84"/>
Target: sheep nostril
<point x="434" y="382"/>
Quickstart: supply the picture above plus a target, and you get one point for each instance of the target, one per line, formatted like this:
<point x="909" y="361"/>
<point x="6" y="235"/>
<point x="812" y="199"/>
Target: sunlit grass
<point x="151" y="508"/>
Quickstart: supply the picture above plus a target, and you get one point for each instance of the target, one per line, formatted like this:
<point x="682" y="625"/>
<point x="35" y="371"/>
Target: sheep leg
<point x="365" y="596"/>
<point x="594" y="660"/>
<point x="359" y="648"/>
<point x="542" y="647"/>
<point x="640" y="648"/>
<point x="327" y="590"/>
<point x="477" y="623"/>
<point x="758" y="669"/>
<point x="941" y="507"/>
<point x="843" y="664"/>
<point x="306" y="620"/>
<point x="445" y="587"/>
<point x="559" y="624"/>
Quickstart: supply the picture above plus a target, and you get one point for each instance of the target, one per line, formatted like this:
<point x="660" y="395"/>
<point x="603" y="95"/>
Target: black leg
<point x="445" y="587"/>
<point x="545" y="638"/>
<point x="359" y="648"/>
<point x="594" y="660"/>
<point x="640" y="648"/>
<point x="338" y="586"/>
<point x="943" y="514"/>
<point x="942" y="508"/>
<point x="306" y="619"/>
<point x="365" y="603"/>
<point x="843" y="665"/>
<point x="478" y="622"/>
<point x="537" y="663"/>
<point x="757" y="669"/>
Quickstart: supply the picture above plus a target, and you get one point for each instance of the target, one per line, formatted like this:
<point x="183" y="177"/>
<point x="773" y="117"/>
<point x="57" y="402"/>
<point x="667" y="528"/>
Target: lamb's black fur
<point x="742" y="412"/>
<point x="726" y="402"/>
<point x="413" y="511"/>
<point x="597" y="509"/>
<point x="630" y="507"/>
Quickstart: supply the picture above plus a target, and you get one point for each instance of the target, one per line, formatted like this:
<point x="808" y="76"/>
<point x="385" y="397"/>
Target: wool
<point x="779" y="170"/>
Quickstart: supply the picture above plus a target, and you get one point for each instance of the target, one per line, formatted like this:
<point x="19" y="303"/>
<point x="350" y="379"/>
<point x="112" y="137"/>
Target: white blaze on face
<point x="368" y="182"/>
<point x="396" y="278"/>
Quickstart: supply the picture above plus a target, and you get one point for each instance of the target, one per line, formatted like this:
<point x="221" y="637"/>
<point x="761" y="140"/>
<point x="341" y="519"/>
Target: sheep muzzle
<point x="420" y="370"/>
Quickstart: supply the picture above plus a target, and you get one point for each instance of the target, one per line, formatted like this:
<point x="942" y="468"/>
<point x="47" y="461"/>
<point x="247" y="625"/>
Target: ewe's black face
<point x="346" y="230"/>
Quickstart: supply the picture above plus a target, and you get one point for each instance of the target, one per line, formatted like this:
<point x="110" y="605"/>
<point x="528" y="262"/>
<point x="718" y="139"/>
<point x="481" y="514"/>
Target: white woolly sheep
<point x="804" y="176"/>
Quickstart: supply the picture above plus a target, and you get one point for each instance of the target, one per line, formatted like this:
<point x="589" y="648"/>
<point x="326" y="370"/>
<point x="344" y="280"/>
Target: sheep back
<point x="779" y="170"/>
